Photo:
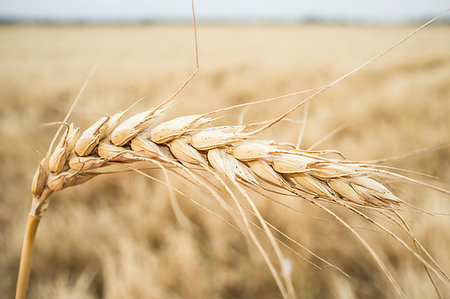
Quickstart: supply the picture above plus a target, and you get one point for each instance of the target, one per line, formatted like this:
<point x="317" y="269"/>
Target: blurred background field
<point x="116" y="237"/>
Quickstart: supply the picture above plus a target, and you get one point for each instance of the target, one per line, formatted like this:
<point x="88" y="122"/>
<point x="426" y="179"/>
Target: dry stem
<point x="26" y="257"/>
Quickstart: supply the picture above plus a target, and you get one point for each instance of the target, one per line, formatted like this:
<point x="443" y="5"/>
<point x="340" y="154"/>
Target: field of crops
<point x="117" y="237"/>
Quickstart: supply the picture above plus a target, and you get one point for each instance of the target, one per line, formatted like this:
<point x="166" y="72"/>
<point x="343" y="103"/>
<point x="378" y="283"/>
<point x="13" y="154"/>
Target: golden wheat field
<point x="116" y="236"/>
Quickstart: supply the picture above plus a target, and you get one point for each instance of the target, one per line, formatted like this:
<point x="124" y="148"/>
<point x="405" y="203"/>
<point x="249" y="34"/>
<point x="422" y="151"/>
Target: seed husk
<point x="91" y="137"/>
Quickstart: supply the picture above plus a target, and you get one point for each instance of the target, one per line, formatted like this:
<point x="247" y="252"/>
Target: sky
<point x="380" y="11"/>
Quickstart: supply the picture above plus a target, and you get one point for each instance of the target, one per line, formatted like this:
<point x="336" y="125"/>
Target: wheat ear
<point x="185" y="142"/>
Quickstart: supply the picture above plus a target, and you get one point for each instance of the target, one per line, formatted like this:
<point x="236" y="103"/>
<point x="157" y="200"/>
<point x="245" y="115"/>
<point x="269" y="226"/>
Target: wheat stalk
<point x="235" y="159"/>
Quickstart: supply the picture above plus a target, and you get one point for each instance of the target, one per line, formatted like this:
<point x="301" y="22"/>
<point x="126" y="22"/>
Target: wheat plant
<point x="228" y="162"/>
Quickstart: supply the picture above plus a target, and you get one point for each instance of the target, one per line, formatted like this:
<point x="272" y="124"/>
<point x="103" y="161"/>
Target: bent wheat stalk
<point x="231" y="155"/>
